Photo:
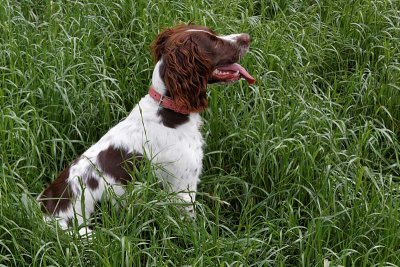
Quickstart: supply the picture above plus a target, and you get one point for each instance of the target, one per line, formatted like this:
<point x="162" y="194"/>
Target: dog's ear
<point x="186" y="74"/>
<point x="158" y="45"/>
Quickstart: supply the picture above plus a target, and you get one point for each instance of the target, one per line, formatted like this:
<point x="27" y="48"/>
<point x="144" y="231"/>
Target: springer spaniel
<point x="163" y="127"/>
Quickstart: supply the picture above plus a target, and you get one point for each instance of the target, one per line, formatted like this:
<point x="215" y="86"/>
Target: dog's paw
<point x="190" y="212"/>
<point x="85" y="233"/>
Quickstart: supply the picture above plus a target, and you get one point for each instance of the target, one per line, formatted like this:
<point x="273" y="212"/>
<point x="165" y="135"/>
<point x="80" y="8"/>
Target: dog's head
<point x="193" y="56"/>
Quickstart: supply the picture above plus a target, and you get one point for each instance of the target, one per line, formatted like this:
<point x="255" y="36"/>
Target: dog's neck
<point x="156" y="81"/>
<point x="169" y="117"/>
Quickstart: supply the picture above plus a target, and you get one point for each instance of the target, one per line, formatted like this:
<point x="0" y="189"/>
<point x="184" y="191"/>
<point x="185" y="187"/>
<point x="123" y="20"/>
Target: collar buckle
<point x="161" y="100"/>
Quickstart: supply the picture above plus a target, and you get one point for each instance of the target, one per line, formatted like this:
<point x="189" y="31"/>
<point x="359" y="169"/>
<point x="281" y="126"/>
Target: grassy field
<point x="301" y="169"/>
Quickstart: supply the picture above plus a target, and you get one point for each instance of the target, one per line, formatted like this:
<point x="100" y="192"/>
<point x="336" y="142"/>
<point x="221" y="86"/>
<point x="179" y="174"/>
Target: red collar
<point x="166" y="102"/>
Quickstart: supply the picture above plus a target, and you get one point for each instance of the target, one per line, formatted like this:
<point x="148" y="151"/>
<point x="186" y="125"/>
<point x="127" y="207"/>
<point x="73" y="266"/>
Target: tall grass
<point x="301" y="169"/>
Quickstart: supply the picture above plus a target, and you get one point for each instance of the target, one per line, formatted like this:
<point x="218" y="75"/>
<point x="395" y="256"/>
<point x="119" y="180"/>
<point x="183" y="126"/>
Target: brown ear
<point x="186" y="75"/>
<point x="158" y="45"/>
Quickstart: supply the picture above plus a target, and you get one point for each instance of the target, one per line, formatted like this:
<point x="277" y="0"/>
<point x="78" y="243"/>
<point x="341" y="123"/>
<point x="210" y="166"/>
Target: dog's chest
<point x="175" y="150"/>
<point x="183" y="145"/>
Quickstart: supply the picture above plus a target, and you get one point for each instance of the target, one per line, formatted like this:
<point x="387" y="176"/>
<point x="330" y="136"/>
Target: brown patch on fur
<point x="118" y="163"/>
<point x="58" y="195"/>
<point x="171" y="118"/>
<point x="92" y="182"/>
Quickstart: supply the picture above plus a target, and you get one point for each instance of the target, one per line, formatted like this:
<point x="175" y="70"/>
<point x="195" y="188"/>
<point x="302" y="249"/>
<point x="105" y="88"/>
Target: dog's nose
<point x="243" y="39"/>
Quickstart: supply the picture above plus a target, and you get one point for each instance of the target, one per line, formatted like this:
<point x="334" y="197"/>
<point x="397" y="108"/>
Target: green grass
<point x="302" y="167"/>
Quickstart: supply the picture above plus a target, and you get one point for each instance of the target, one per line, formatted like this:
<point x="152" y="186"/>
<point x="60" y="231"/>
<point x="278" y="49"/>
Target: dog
<point x="163" y="127"/>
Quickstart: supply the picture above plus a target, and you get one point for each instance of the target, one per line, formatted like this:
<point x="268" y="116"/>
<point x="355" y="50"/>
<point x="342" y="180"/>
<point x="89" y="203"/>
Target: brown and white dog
<point x="164" y="126"/>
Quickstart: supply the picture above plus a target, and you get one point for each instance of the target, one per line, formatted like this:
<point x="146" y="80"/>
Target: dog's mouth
<point x="231" y="73"/>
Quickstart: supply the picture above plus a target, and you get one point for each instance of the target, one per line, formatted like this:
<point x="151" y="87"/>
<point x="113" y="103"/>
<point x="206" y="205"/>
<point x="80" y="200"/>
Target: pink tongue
<point x="242" y="71"/>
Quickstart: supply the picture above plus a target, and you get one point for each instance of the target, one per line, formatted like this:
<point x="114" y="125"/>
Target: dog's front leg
<point x="186" y="187"/>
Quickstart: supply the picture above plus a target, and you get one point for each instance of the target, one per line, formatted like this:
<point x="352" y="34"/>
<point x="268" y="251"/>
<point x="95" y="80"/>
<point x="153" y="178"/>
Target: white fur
<point x="194" y="30"/>
<point x="231" y="38"/>
<point x="177" y="153"/>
